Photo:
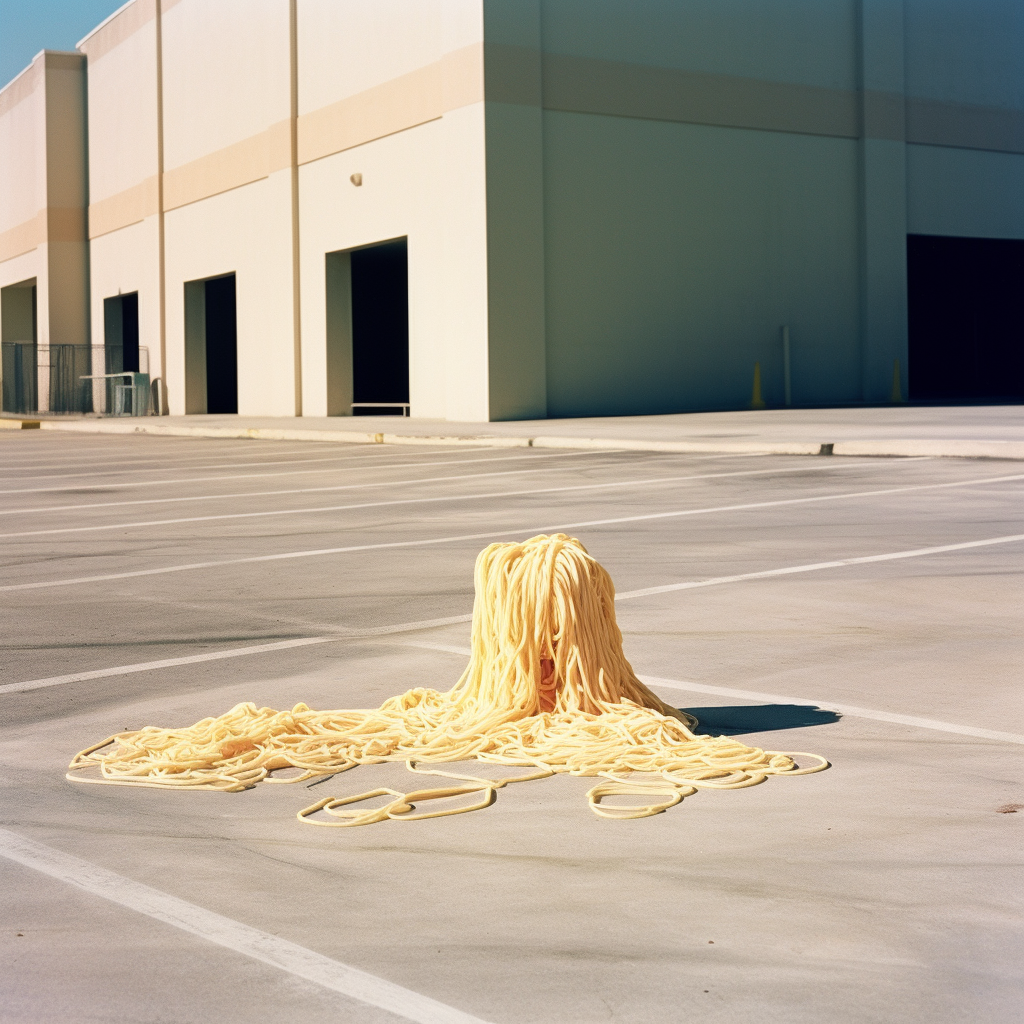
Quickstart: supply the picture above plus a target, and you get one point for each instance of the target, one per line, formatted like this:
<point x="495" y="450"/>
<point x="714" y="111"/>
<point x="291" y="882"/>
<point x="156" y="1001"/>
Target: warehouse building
<point x="44" y="245"/>
<point x="500" y="209"/>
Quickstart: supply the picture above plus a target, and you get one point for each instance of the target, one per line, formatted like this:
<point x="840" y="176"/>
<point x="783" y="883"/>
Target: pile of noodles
<point x="547" y="688"/>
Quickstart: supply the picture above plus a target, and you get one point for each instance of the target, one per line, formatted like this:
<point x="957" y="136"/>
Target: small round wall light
<point x="356" y="179"/>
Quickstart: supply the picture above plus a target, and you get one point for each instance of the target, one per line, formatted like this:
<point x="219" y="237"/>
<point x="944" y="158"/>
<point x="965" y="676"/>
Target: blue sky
<point x="28" y="26"/>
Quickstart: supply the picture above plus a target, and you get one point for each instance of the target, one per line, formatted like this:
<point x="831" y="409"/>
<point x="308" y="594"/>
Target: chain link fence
<point x="74" y="379"/>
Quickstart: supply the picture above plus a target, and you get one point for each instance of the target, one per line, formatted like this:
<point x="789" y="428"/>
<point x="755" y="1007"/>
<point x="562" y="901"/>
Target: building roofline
<point x="24" y="71"/>
<point x="106" y="21"/>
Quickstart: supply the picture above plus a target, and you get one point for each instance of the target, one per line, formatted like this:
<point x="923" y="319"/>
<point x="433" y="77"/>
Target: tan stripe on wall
<point x="24" y="237"/>
<point x="570" y="84"/>
<point x="963" y="126"/>
<point x="54" y="224"/>
<point x="127" y="207"/>
<point x="404" y="102"/>
<point x="591" y="86"/>
<point x="238" y="164"/>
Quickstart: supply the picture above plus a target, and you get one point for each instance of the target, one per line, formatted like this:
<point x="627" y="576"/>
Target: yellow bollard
<point x="756" y="400"/>
<point x="897" y="389"/>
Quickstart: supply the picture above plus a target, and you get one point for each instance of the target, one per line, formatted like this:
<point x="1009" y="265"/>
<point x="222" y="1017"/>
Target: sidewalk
<point x="940" y="431"/>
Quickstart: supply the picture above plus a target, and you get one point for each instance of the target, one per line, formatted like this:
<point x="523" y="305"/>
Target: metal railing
<point x="19" y="376"/>
<point x="404" y="406"/>
<point x="59" y="378"/>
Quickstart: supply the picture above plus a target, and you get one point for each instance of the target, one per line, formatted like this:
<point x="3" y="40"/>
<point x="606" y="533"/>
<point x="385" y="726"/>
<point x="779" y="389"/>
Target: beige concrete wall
<point x="67" y="196"/>
<point x="123" y="120"/>
<point x="226" y="86"/>
<point x="247" y="232"/>
<point x="227" y="185"/>
<point x="43" y="191"/>
<point x="965" y="70"/>
<point x="23" y="234"/>
<point x="425" y="184"/>
<point x="393" y="91"/>
<point x="122" y="262"/>
<point x="674" y="254"/>
<point x="22" y="163"/>
<point x="608" y="207"/>
<point x="713" y="171"/>
<point x="123" y="123"/>
<point x="517" y="345"/>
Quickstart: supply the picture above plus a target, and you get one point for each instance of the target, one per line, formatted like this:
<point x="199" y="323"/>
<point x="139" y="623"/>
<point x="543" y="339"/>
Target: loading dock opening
<point x="18" y="347"/>
<point x="121" y="333"/>
<point x="211" y="346"/>
<point x="367" y="291"/>
<point x="966" y="318"/>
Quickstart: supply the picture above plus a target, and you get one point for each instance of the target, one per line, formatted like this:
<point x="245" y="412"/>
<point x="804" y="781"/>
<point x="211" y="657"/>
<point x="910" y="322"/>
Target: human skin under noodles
<point x="547" y="689"/>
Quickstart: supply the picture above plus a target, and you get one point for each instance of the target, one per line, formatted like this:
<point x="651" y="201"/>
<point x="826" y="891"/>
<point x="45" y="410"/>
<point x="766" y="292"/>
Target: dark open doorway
<point x="121" y="333"/>
<point x="221" y="345"/>
<point x="18" y="342"/>
<point x="211" y="345"/>
<point x="380" y="329"/>
<point x="966" y="318"/>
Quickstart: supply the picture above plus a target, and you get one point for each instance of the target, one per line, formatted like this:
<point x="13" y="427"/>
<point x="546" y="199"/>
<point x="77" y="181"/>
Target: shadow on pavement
<point x="730" y="720"/>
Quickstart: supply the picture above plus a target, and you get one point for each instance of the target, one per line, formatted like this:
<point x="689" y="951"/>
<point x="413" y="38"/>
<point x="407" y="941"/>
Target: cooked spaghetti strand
<point x="547" y="687"/>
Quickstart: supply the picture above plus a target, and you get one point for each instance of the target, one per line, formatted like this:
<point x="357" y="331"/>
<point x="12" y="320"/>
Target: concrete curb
<point x="944" y="449"/>
<point x="896" y="448"/>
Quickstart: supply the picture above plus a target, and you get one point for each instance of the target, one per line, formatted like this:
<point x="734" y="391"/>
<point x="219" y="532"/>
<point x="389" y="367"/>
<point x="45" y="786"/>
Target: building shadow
<point x="733" y="719"/>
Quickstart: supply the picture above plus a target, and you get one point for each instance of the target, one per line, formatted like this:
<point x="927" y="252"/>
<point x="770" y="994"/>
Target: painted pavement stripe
<point x="234" y="935"/>
<point x="815" y="566"/>
<point x="777" y="698"/>
<point x="360" y="486"/>
<point x="843" y="709"/>
<point x="123" y="470"/>
<point x="234" y="652"/>
<point x="496" y="533"/>
<point x="380" y="631"/>
<point x="149" y="666"/>
<point x="607" y="485"/>
<point x="387" y="464"/>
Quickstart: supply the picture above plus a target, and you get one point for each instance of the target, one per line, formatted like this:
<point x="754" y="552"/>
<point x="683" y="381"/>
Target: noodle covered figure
<point x="547" y="688"/>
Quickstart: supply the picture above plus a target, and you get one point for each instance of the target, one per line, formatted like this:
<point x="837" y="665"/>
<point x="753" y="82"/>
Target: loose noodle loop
<point x="547" y="687"/>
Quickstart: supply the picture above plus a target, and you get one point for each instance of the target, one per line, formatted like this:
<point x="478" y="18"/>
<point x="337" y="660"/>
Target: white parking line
<point x="168" y="447"/>
<point x="224" y="931"/>
<point x="234" y="652"/>
<point x="843" y="709"/>
<point x="349" y="487"/>
<point x="301" y="472"/>
<point x="495" y="533"/>
<point x="149" y="666"/>
<point x="815" y="566"/>
<point x="408" y="627"/>
<point x="226" y="465"/>
<point x="648" y="482"/>
<point x="128" y="461"/>
<point x="776" y="698"/>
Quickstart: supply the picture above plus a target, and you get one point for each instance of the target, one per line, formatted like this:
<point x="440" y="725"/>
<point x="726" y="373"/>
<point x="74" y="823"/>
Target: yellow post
<point x="756" y="400"/>
<point x="897" y="389"/>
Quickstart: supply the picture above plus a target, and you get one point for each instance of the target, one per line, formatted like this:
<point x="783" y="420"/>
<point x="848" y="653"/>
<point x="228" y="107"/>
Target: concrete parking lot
<point x="866" y="609"/>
